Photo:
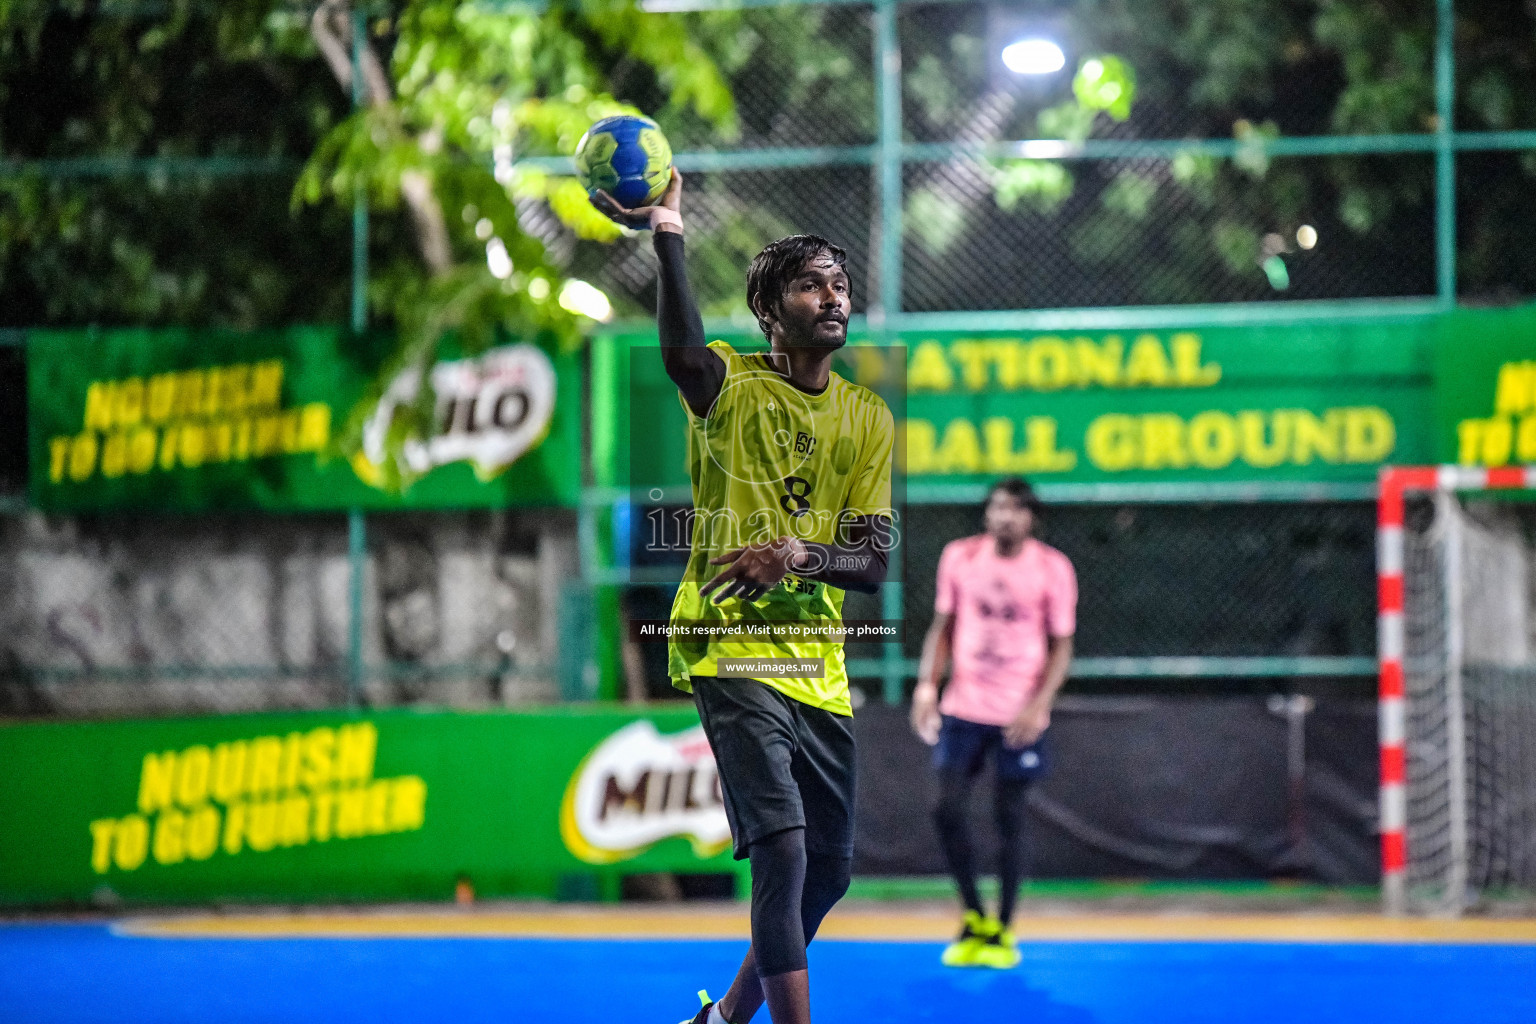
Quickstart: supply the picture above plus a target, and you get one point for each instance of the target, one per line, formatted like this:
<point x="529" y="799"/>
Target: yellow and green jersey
<point x="773" y="461"/>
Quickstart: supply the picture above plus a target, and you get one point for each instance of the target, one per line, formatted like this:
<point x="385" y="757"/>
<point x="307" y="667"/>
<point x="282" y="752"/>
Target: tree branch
<point x="427" y="213"/>
<point x="331" y="28"/>
<point x="332" y="31"/>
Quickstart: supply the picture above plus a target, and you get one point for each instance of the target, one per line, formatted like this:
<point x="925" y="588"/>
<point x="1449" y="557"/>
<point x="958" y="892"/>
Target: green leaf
<point x="1106" y="83"/>
<point x="1041" y="185"/>
<point x="1071" y="121"/>
<point x="1131" y="195"/>
<point x="1252" y="154"/>
<point x="570" y="203"/>
<point x="1237" y="245"/>
<point x="936" y="217"/>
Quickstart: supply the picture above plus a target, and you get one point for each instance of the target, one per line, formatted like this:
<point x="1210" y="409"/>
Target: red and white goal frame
<point x="1396" y="483"/>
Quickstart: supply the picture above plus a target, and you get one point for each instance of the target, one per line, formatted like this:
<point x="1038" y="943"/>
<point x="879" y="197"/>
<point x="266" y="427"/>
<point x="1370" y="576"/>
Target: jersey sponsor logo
<point x="638" y="787"/>
<point x="490" y="411"/>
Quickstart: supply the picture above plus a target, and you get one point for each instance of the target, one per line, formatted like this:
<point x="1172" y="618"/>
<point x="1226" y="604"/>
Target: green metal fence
<point x="864" y="165"/>
<point x="1311" y="580"/>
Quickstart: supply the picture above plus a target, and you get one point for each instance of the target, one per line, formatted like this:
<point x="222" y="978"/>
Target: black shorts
<point x="782" y="764"/>
<point x="963" y="745"/>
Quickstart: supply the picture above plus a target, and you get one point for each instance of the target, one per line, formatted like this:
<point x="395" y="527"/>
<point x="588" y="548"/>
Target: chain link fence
<point x="1189" y="204"/>
<point x="1287" y="581"/>
<point x="105" y="615"/>
<point x="732" y="216"/>
<point x="1176" y="580"/>
<point x="178" y="243"/>
<point x="1191" y="198"/>
<point x="982" y="236"/>
<point x="802" y="76"/>
<point x="1150" y="231"/>
<point x="1185" y="200"/>
<point x="1284" y="580"/>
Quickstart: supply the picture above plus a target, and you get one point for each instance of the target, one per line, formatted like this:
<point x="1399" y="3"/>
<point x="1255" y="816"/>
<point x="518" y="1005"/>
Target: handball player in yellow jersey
<point x="791" y="472"/>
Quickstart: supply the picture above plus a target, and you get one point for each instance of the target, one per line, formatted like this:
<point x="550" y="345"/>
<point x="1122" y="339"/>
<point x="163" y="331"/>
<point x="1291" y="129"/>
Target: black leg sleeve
<point x="1012" y="840"/>
<point x="826" y="880"/>
<point x="954" y="834"/>
<point x="778" y="887"/>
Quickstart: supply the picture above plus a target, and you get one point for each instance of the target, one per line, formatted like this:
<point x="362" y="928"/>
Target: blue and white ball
<point x="626" y="156"/>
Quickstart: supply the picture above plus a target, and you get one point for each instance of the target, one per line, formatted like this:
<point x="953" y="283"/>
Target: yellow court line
<point x="554" y="924"/>
<point x="714" y="922"/>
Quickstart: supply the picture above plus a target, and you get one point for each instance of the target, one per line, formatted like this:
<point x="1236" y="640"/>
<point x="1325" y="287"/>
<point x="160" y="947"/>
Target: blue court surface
<point x="98" y="972"/>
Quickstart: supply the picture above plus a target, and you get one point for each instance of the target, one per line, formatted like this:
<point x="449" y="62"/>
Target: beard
<point x="817" y="334"/>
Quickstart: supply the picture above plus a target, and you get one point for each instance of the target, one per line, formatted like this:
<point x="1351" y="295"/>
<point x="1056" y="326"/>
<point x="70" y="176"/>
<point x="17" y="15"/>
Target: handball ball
<point x="627" y="157"/>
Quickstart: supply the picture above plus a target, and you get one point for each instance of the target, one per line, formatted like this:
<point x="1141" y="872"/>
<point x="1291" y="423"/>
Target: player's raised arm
<point x="697" y="372"/>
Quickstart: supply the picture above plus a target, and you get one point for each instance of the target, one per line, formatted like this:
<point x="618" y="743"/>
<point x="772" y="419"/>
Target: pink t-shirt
<point x="1004" y="609"/>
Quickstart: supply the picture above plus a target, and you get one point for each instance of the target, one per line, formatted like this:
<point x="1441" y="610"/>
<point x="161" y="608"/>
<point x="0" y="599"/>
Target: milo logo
<point x="638" y="787"/>
<point x="489" y="412"/>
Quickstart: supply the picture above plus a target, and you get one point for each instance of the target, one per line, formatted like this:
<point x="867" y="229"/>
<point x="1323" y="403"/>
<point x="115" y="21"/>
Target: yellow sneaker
<point x="999" y="949"/>
<point x="974" y="932"/>
<point x="703" y="1015"/>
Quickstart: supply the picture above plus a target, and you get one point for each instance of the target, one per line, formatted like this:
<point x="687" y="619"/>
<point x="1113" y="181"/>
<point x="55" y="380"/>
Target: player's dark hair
<point x="780" y="263"/>
<point x="1019" y="489"/>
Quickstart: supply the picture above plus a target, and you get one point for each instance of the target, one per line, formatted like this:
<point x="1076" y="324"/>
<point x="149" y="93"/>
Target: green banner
<point x="1294" y="402"/>
<point x="1485" y="387"/>
<point x="182" y="420"/>
<point x="323" y="806"/>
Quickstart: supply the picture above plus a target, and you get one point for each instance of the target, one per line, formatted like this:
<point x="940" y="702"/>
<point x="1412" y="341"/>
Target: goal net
<point x="1458" y="688"/>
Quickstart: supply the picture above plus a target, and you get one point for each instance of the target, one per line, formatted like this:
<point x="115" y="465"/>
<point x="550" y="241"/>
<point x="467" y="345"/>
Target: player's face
<point x="1008" y="519"/>
<point x="813" y="312"/>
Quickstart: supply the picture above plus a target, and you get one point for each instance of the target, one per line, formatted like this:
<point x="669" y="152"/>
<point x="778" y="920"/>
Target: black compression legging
<point x="792" y="890"/>
<point x="949" y="814"/>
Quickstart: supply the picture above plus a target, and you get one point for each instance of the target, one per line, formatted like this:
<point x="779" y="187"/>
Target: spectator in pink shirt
<point x="1004" y="615"/>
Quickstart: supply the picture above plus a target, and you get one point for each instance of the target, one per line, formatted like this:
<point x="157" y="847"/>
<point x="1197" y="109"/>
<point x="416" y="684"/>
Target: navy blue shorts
<point x="964" y="745"/>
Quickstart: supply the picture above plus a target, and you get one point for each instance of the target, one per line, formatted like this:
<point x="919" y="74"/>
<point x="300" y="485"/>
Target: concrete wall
<point x="130" y="615"/>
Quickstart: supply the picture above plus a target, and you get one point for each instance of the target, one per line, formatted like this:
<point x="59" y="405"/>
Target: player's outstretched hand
<point x="640" y="217"/>
<point x="752" y="571"/>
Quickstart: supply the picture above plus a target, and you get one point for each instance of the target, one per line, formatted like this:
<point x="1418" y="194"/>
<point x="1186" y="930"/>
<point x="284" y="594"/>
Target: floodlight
<point x="1034" y="57"/>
